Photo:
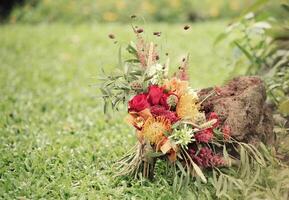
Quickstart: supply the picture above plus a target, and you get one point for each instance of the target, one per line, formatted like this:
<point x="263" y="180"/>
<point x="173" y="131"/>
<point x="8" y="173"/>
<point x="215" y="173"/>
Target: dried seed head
<point x="140" y="30"/>
<point x="157" y="57"/>
<point x="133" y="16"/>
<point x="184" y="59"/>
<point x="136" y="85"/>
<point x="157" y="34"/>
<point x="186" y="27"/>
<point x="111" y="36"/>
<point x="167" y="54"/>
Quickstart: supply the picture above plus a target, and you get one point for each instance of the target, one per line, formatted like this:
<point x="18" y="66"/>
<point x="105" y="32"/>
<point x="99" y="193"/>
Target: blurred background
<point x="55" y="141"/>
<point x="73" y="11"/>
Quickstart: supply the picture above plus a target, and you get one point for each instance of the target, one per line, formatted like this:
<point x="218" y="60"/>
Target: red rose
<point x="163" y="101"/>
<point x="214" y="115"/>
<point x="204" y="135"/>
<point x="138" y="103"/>
<point x="155" y="94"/>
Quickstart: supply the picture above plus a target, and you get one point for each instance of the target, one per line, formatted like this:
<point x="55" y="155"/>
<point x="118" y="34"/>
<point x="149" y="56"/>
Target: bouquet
<point x="168" y="118"/>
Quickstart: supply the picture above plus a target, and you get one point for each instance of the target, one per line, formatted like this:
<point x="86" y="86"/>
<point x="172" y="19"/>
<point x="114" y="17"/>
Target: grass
<point x="55" y="142"/>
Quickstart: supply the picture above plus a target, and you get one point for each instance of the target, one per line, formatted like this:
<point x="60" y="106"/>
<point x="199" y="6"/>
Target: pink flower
<point x="206" y="158"/>
<point x="161" y="111"/>
<point x="163" y="101"/>
<point x="204" y="135"/>
<point x="226" y="132"/>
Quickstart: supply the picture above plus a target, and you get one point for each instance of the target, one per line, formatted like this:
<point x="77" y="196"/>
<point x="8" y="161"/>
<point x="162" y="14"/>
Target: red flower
<point x="214" y="115"/>
<point x="163" y="101"/>
<point x="204" y="135"/>
<point x="138" y="103"/>
<point x="226" y="132"/>
<point x="155" y="94"/>
<point x="161" y="111"/>
<point x="206" y="158"/>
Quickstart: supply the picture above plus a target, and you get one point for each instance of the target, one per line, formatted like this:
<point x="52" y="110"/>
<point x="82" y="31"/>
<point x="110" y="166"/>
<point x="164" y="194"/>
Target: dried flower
<point x="226" y="132"/>
<point x="186" y="27"/>
<point x="157" y="34"/>
<point x="136" y="85"/>
<point x="139" y="30"/>
<point x="111" y="36"/>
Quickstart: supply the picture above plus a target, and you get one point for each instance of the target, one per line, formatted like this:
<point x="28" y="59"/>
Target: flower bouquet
<point x="169" y="120"/>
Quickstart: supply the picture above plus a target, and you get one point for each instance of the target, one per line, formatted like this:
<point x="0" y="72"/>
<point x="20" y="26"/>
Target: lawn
<point x="55" y="141"/>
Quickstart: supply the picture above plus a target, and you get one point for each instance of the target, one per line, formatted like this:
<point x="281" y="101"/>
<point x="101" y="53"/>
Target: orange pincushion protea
<point x="176" y="86"/>
<point x="154" y="129"/>
<point x="187" y="107"/>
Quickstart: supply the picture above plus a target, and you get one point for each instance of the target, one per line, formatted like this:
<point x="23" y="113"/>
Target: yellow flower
<point x="154" y="129"/>
<point x="177" y="86"/>
<point x="188" y="107"/>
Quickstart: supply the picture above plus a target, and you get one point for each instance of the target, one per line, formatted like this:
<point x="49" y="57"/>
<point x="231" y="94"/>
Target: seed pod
<point x="136" y="85"/>
<point x="111" y="36"/>
<point x="140" y="30"/>
<point x="186" y="27"/>
<point x="157" y="34"/>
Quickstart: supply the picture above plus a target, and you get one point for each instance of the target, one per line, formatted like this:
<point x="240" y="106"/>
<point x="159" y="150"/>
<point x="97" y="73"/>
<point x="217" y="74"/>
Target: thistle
<point x="172" y="101"/>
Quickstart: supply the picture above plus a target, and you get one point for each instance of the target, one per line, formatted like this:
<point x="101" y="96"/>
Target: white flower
<point x="157" y="72"/>
<point x="250" y="15"/>
<point x="183" y="136"/>
<point x="262" y="25"/>
<point x="193" y="93"/>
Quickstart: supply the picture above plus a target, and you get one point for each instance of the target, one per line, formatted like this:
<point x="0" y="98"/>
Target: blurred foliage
<point x="260" y="46"/>
<point x="75" y="11"/>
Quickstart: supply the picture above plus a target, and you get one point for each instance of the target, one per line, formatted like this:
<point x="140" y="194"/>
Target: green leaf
<point x="219" y="38"/>
<point x="132" y="61"/>
<point x="105" y="107"/>
<point x="199" y="172"/>
<point x="284" y="107"/>
<point x="226" y="155"/>
<point x="119" y="57"/>
<point x="181" y="167"/>
<point x="253" y="8"/>
<point x="196" y="168"/>
<point x="285" y="6"/>
<point x="175" y="183"/>
<point x="247" y="54"/>
<point x="131" y="49"/>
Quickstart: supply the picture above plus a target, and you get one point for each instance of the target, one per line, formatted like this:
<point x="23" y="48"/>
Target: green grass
<point x="55" y="141"/>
